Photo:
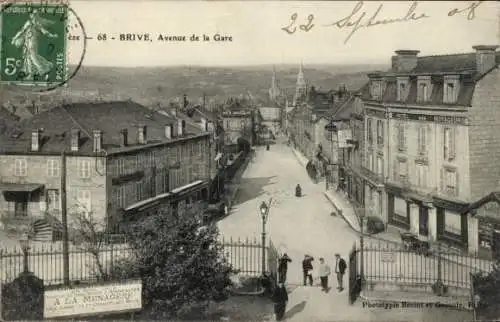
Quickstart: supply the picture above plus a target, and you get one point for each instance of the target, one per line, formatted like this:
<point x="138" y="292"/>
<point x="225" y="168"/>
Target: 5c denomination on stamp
<point x="34" y="44"/>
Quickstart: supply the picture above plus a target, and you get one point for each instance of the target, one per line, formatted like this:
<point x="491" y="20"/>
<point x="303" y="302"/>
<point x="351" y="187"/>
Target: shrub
<point x="180" y="265"/>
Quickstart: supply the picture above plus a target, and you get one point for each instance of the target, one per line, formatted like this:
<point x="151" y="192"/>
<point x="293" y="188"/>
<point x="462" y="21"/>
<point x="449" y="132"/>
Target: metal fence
<point x="45" y="260"/>
<point x="393" y="263"/>
<point x="245" y="255"/>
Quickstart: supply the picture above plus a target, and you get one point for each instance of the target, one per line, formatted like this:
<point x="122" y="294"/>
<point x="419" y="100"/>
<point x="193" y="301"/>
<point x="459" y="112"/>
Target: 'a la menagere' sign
<point x="99" y="299"/>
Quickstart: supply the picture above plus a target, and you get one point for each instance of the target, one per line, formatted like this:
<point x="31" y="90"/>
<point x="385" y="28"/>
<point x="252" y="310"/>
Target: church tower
<point x="300" y="88"/>
<point x="274" y="91"/>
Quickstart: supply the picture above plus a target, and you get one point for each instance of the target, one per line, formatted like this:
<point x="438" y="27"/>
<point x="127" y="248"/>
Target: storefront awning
<point x="20" y="187"/>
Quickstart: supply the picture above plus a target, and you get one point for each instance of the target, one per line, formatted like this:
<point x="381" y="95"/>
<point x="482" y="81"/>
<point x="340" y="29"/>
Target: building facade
<point x="429" y="142"/>
<point x="112" y="160"/>
<point x="238" y="124"/>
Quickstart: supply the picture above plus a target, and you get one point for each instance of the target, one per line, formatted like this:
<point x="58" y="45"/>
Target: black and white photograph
<point x="250" y="160"/>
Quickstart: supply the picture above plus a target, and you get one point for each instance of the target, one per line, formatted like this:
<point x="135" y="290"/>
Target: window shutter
<point x="403" y="136"/>
<point x="456" y="184"/>
<point x="442" y="180"/>
<point x="451" y="148"/>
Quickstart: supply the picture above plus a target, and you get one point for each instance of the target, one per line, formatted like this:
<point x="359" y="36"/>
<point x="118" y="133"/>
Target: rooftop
<point x="109" y="117"/>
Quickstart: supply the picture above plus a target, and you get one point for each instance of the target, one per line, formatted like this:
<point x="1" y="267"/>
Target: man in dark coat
<point x="280" y="298"/>
<point x="307" y="269"/>
<point x="283" y="267"/>
<point x="340" y="267"/>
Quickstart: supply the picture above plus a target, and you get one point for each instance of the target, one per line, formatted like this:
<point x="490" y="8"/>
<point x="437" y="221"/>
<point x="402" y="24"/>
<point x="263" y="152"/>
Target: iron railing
<point x="45" y="260"/>
<point x="394" y="263"/>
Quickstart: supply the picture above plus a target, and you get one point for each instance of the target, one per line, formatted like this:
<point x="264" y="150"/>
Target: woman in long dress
<point x="32" y="63"/>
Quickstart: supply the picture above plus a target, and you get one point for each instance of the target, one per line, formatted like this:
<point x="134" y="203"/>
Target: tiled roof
<point x="434" y="65"/>
<point x="109" y="117"/>
<point x="344" y="110"/>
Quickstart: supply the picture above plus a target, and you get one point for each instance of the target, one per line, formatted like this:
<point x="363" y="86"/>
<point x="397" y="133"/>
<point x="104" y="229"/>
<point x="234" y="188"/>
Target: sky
<point x="258" y="37"/>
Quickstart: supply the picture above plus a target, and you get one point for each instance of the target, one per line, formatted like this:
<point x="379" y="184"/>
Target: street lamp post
<point x="362" y="219"/>
<point x="25" y="246"/>
<point x="264" y="212"/>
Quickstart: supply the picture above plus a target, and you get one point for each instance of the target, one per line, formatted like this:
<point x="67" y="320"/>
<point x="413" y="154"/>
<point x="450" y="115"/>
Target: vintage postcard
<point x="250" y="160"/>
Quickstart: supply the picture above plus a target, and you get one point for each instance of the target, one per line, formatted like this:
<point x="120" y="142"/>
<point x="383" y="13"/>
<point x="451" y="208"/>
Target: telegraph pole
<point x="64" y="220"/>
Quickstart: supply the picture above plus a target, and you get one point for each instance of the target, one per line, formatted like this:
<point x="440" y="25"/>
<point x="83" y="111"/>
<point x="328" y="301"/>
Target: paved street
<point x="296" y="225"/>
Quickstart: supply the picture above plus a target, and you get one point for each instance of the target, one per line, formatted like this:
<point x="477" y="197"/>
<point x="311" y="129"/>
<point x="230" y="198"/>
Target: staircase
<point x="47" y="229"/>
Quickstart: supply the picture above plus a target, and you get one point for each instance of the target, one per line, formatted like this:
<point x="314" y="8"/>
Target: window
<point x="53" y="168"/>
<point x="370" y="162"/>
<point x="380" y="166"/>
<point x="84" y="202"/>
<point x="450" y="182"/>
<point x="119" y="195"/>
<point x="53" y="200"/>
<point x="401" y="91"/>
<point x="140" y="193"/>
<point x="376" y="89"/>
<point x="84" y="169"/>
<point x="449" y="93"/>
<point x="369" y="130"/>
<point x="21" y="168"/>
<point x="401" y="137"/>
<point x="422" y="94"/>
<point x="402" y="171"/>
<point x="21" y="208"/>
<point x="422" y="170"/>
<point x="449" y="144"/>
<point x="422" y="139"/>
<point x="380" y="133"/>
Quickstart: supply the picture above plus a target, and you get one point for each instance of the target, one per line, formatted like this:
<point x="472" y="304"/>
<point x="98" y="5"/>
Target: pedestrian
<point x="283" y="267"/>
<point x="307" y="269"/>
<point x="340" y="267"/>
<point x="280" y="299"/>
<point x="323" y="272"/>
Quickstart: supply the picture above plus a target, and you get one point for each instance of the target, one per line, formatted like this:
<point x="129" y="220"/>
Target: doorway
<point x="423" y="221"/>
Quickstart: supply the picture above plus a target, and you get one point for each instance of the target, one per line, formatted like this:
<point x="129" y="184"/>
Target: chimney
<point x="75" y="140"/>
<point x="141" y="134"/>
<point x="36" y="137"/>
<point x="124" y="137"/>
<point x="204" y="124"/>
<point x="485" y="58"/>
<point x="168" y="131"/>
<point x="405" y="60"/>
<point x="181" y="126"/>
<point x="97" y="140"/>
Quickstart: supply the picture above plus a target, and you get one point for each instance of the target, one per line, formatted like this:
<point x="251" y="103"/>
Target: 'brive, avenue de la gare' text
<point x="160" y="37"/>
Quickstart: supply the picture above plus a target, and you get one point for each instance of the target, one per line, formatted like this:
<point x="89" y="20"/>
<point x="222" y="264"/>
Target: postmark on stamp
<point x="33" y="48"/>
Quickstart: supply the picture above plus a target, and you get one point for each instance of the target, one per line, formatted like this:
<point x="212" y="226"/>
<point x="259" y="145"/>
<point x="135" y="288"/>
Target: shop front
<point x="398" y="208"/>
<point x="483" y="219"/>
<point x="451" y="222"/>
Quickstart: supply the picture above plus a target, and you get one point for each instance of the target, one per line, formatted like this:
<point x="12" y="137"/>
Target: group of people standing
<point x="280" y="295"/>
<point x="324" y="272"/>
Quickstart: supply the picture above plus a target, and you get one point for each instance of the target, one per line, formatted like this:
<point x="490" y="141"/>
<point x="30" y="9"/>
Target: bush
<point x="180" y="265"/>
<point x="488" y="288"/>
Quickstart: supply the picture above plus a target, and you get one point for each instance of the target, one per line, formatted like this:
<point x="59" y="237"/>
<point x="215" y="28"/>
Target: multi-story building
<point x="432" y="140"/>
<point x="238" y="124"/>
<point x="110" y="159"/>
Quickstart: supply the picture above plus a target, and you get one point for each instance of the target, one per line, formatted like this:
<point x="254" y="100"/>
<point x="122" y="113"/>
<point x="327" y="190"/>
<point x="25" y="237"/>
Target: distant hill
<point x="157" y="86"/>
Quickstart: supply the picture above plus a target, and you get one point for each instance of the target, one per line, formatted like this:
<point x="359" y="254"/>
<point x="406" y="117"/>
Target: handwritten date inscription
<point x="359" y="18"/>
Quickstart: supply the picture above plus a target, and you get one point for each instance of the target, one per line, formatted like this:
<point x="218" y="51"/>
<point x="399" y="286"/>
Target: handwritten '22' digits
<point x="292" y="27"/>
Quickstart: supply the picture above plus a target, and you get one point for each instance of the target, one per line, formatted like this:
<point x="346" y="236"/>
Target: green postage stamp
<point x="33" y="47"/>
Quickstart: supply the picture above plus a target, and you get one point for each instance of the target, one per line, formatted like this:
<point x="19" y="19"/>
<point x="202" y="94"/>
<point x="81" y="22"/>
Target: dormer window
<point x="376" y="89"/>
<point x="451" y="88"/>
<point x="423" y="88"/>
<point x="403" y="86"/>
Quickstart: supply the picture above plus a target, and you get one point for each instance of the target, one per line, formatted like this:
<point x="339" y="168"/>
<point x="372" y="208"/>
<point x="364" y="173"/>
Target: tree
<point x="180" y="264"/>
<point x="487" y="286"/>
<point x="88" y="233"/>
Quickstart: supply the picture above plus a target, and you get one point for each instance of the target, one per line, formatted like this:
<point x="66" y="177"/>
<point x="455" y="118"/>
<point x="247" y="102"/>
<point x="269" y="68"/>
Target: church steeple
<point x="274" y="91"/>
<point x="300" y="87"/>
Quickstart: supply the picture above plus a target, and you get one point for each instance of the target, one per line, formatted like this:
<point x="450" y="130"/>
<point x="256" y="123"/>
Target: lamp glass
<point x="263" y="208"/>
